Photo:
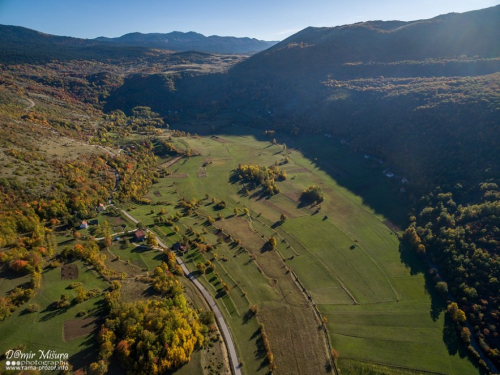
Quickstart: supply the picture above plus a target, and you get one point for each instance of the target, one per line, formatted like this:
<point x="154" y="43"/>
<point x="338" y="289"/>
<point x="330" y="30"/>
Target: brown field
<point x="171" y="162"/>
<point x="133" y="290"/>
<point x="222" y="235"/>
<point x="392" y="226"/>
<point x="299" y="347"/>
<point x="69" y="272"/>
<point x="79" y="327"/>
<point x="202" y="172"/>
<point x="294" y="196"/>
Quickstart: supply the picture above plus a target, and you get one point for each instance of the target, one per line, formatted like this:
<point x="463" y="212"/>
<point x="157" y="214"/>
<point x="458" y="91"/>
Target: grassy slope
<point x="44" y="329"/>
<point x="395" y="322"/>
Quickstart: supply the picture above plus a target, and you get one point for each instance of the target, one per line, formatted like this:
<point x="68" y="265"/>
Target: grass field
<point x="373" y="296"/>
<point x="44" y="329"/>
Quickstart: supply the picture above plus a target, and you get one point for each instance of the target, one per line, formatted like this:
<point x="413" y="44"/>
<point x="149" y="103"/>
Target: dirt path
<point x="172" y="162"/>
<point x="31" y="105"/>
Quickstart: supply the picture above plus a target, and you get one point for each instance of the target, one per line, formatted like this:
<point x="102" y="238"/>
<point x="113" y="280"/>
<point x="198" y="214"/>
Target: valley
<point x="338" y="202"/>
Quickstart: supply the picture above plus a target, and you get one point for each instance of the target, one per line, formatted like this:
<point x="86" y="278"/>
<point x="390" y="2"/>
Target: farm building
<point x="139" y="235"/>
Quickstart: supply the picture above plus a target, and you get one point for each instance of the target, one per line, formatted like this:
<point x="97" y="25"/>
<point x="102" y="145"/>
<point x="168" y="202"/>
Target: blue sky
<point x="261" y="19"/>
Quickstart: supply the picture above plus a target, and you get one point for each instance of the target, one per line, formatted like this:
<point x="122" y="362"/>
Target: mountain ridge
<point x="181" y="41"/>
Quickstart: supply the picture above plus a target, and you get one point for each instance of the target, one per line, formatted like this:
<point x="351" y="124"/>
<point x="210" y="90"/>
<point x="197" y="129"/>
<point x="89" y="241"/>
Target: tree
<point x="140" y="225"/>
<point x="235" y="211"/>
<point x="283" y="217"/>
<point x="272" y="241"/>
<point x="81" y="295"/>
<point x="442" y="288"/>
<point x="456" y="314"/>
<point x="176" y="229"/>
<point x="201" y="267"/>
<point x="151" y="240"/>
<point x="246" y="211"/>
<point x="107" y="242"/>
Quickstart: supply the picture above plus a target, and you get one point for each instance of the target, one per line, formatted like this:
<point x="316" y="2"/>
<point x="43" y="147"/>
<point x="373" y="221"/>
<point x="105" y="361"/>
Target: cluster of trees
<point x="261" y="175"/>
<point x="153" y="336"/>
<point x="312" y="194"/>
<point x="459" y="231"/>
<point x="89" y="252"/>
<point x="137" y="170"/>
<point x="26" y="243"/>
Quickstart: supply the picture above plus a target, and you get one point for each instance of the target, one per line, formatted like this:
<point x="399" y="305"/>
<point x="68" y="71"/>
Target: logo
<point x="41" y="360"/>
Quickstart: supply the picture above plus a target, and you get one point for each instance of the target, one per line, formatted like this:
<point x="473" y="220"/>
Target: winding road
<point x="235" y="366"/>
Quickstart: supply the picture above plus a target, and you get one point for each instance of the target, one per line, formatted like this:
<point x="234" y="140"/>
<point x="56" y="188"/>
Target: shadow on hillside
<point x="378" y="192"/>
<point x="451" y="337"/>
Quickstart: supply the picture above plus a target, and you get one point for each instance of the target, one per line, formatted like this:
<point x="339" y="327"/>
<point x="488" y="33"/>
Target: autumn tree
<point x="151" y="240"/>
<point x="201" y="267"/>
<point x="272" y="242"/>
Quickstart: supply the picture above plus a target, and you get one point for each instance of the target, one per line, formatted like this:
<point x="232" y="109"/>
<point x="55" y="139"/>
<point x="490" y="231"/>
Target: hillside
<point x="348" y="51"/>
<point x="22" y="45"/>
<point x="179" y="41"/>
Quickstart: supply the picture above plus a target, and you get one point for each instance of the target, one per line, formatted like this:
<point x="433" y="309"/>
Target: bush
<point x="33" y="307"/>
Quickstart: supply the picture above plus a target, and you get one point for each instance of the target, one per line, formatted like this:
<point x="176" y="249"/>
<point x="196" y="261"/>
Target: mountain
<point x="22" y="45"/>
<point x="179" y="41"/>
<point x="421" y="95"/>
<point x="357" y="50"/>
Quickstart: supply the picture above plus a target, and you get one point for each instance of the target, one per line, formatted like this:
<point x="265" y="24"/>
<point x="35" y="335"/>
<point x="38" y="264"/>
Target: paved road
<point x="235" y="367"/>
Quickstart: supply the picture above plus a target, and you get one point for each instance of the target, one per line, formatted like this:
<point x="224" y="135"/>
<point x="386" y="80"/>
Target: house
<point x="367" y="156"/>
<point x="179" y="246"/>
<point x="139" y="235"/>
<point x="100" y="207"/>
<point x="404" y="180"/>
<point x="390" y="174"/>
<point x="84" y="225"/>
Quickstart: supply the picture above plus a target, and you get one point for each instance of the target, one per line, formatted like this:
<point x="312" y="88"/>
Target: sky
<point x="261" y="19"/>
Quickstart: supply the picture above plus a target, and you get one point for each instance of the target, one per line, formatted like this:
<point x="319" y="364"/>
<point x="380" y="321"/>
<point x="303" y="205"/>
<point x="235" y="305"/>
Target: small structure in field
<point x="179" y="246"/>
<point x="139" y="235"/>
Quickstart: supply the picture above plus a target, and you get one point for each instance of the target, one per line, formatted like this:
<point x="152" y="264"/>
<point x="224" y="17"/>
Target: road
<point x="235" y="366"/>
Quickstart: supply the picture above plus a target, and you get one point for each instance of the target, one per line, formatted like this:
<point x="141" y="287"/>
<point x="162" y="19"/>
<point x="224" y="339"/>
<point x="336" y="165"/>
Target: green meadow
<point x="373" y="295"/>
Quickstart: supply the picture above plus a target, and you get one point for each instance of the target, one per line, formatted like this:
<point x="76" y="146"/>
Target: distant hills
<point x="179" y="41"/>
<point x="19" y="44"/>
<point x="348" y="51"/>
